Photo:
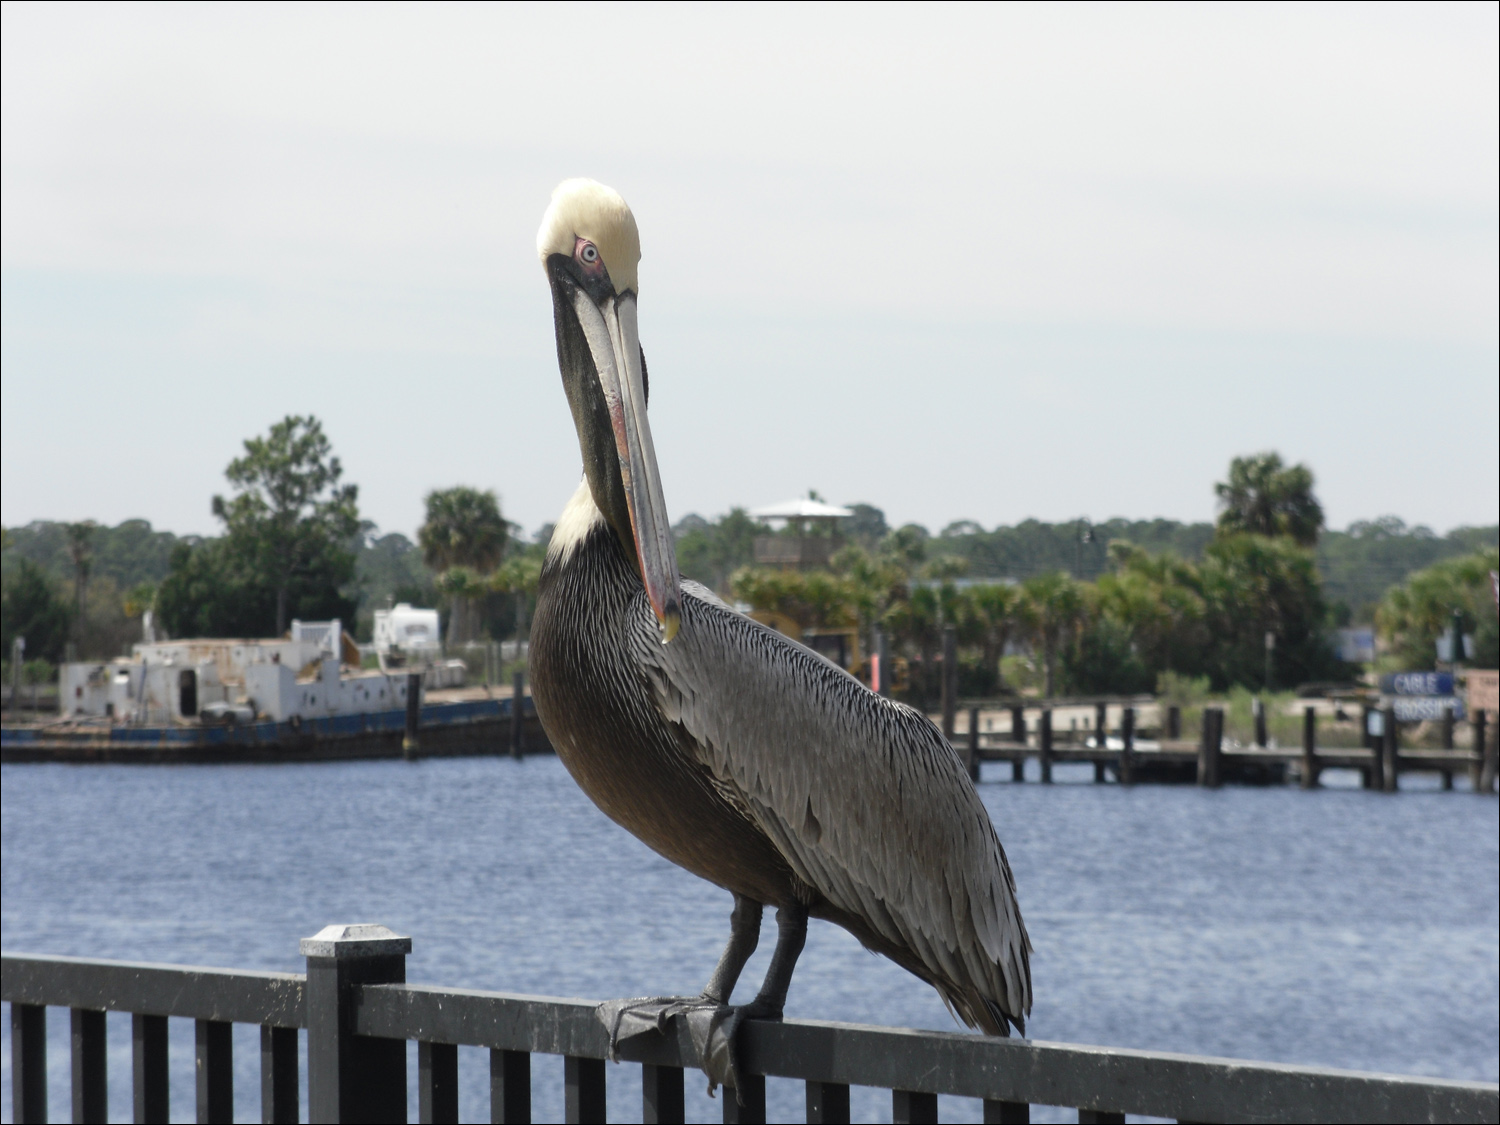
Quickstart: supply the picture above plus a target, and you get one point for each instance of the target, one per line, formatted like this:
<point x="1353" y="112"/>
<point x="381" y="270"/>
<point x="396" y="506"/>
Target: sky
<point x="982" y="263"/>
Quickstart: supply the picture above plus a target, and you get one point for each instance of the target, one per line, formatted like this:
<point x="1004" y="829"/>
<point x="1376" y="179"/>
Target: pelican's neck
<point x="578" y="519"/>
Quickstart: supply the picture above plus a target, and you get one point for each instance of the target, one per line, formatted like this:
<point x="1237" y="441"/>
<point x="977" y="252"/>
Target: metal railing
<point x="359" y="1013"/>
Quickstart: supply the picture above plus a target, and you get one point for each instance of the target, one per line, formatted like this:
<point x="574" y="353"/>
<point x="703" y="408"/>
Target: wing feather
<point x="863" y="796"/>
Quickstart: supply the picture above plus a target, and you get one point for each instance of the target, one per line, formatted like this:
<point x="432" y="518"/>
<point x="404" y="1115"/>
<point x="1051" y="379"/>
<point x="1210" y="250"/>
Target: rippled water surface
<point x="1339" y="927"/>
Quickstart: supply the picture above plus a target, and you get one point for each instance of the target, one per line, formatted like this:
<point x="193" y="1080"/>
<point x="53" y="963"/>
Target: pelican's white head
<point x="591" y="251"/>
<point x="583" y="210"/>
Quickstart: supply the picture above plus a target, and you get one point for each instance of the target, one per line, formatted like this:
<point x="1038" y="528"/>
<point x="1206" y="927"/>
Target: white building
<point x="301" y="676"/>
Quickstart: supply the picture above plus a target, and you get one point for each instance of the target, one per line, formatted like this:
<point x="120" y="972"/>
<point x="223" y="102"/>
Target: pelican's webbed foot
<point x="713" y="1024"/>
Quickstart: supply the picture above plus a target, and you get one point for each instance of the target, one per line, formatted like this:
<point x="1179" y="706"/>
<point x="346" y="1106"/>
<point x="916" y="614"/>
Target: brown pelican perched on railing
<point x="732" y="751"/>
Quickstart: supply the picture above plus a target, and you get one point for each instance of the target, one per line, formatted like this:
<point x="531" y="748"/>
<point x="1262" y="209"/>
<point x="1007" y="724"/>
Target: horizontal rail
<point x="225" y="995"/>
<point x="1106" y="1079"/>
<point x="1096" y="1079"/>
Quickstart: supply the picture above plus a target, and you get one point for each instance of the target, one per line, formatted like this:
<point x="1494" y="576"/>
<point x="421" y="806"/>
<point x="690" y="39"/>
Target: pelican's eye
<point x="588" y="253"/>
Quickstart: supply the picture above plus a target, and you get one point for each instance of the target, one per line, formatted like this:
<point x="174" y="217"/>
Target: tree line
<point x="1109" y="606"/>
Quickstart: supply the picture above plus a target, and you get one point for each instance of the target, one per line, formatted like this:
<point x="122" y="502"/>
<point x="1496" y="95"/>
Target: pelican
<point x="734" y="752"/>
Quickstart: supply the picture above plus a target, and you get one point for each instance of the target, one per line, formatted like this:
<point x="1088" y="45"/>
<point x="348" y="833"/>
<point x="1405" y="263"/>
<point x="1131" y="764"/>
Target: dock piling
<point x="1101" y="724"/>
<point x="1389" y="749"/>
<point x="1258" y="708"/>
<point x="1174" y="722"/>
<point x="517" y="719"/>
<point x="973" y="762"/>
<point x="1044" y="745"/>
<point x="1125" y="771"/>
<point x="409" y="743"/>
<point x="950" y="680"/>
<point x="1309" y="748"/>
<point x="1210" y="747"/>
<point x="1488" y="753"/>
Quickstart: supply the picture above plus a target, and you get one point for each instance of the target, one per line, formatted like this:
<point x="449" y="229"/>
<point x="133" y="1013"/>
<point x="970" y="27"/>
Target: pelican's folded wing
<point x="864" y="797"/>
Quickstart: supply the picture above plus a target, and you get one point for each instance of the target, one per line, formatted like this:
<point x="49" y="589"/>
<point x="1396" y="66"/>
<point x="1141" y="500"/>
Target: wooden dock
<point x="1208" y="760"/>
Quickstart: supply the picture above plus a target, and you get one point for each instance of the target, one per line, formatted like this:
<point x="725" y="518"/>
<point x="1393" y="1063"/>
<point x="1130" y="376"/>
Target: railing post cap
<point x="359" y="940"/>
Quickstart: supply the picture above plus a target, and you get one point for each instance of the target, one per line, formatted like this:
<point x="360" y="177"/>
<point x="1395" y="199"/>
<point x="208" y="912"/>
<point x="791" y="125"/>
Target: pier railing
<point x="360" y="1014"/>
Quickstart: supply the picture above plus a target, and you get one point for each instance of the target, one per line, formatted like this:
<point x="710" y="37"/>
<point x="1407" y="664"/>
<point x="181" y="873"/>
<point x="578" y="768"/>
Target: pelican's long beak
<point x="614" y="341"/>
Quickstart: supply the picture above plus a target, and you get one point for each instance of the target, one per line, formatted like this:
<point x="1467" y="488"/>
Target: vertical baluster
<point x="148" y="1064"/>
<point x="583" y="1090"/>
<point x="278" y="1076"/>
<point x="661" y="1095"/>
<point x="1006" y="1113"/>
<point x="28" y="1063"/>
<point x="827" y="1103"/>
<point x="90" y="1081"/>
<point x="214" y="1055"/>
<point x="752" y="1093"/>
<point x="908" y="1107"/>
<point x="510" y="1087"/>
<point x="437" y="1082"/>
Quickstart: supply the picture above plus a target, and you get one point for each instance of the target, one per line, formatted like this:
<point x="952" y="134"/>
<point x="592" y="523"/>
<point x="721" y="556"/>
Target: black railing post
<point x="352" y="1078"/>
<point x="28" y="1063"/>
<point x="1006" y="1113"/>
<point x="1258" y="708"/>
<point x="1389" y="748"/>
<point x="973" y="762"/>
<point x="1448" y="725"/>
<point x="510" y="1087"/>
<point x="911" y="1108"/>
<point x="410" y="742"/>
<point x="583" y="1090"/>
<point x="1174" y="722"/>
<point x="662" y="1095"/>
<point x="90" y="1081"/>
<point x="1126" y="769"/>
<point x="1309" y="747"/>
<point x="827" y="1103"/>
<point x="278" y="1075"/>
<point x="1044" y="744"/>
<point x="1101" y="725"/>
<point x="747" y="1105"/>
<point x="437" y="1082"/>
<point x="214" y="1065"/>
<point x="148" y="1067"/>
<point x="1018" y="725"/>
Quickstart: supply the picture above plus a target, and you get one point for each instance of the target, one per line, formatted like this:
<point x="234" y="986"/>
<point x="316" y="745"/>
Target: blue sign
<point x="1426" y="708"/>
<point x="1417" y="683"/>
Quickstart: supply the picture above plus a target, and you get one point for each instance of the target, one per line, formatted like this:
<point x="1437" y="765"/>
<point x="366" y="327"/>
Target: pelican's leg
<point x="626" y="1019"/>
<point x="744" y="936"/>
<point x="791" y="936"/>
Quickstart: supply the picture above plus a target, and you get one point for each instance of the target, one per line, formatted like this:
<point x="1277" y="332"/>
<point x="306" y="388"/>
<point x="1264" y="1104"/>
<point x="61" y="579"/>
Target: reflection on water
<point x="1344" y="928"/>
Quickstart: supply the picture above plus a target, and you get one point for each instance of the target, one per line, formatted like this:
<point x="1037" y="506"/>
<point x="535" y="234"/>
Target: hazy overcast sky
<point x="972" y="262"/>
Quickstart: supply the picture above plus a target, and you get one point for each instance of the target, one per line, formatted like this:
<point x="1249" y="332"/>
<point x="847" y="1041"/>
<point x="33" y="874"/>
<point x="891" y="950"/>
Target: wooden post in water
<point x="1044" y="744"/>
<point x="1174" y="722"/>
<point x="1309" y="748"/>
<point x="1389" y="749"/>
<point x="1258" y="706"/>
<point x="1370" y="778"/>
<point x="1476" y="770"/>
<point x="517" y="716"/>
<point x="1125" y="771"/>
<point x="409" y="744"/>
<point x="1101" y="724"/>
<point x="1210" y="747"/>
<point x="974" y="744"/>
<point x="950" y="680"/>
<point x="1448" y="744"/>
<point x="1018" y="725"/>
<point x="1488" y="753"/>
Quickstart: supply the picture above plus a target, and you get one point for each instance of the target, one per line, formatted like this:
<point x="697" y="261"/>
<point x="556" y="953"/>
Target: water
<point x="1340" y="927"/>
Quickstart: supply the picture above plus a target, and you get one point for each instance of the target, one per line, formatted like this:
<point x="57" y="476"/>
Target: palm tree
<point x="1263" y="497"/>
<point x="1056" y="606"/>
<point x="998" y="611"/>
<point x="463" y="530"/>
